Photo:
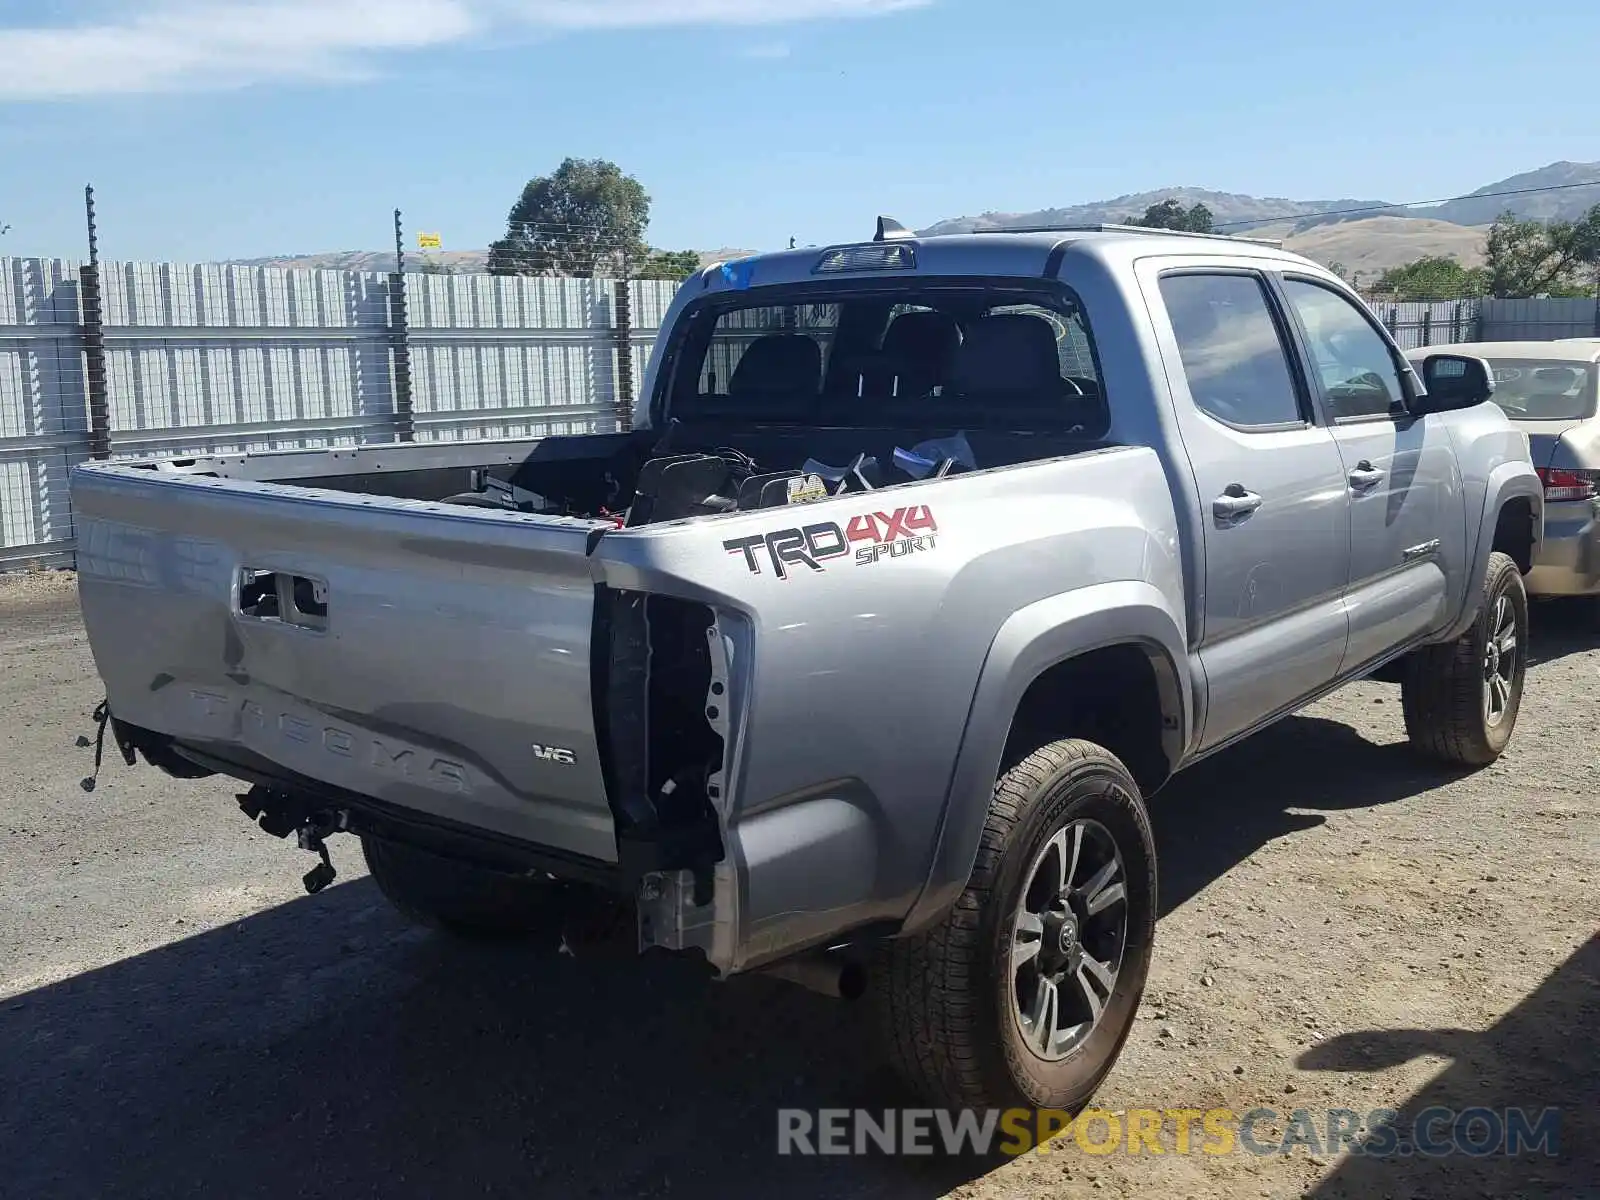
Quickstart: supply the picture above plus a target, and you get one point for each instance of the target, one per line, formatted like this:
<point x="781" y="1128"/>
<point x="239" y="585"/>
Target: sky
<point x="215" y="129"/>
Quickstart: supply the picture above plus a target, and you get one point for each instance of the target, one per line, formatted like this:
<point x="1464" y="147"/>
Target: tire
<point x="1446" y="693"/>
<point x="463" y="899"/>
<point x="948" y="998"/>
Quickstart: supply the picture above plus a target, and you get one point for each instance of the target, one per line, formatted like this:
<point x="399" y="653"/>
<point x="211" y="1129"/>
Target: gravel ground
<point x="1342" y="926"/>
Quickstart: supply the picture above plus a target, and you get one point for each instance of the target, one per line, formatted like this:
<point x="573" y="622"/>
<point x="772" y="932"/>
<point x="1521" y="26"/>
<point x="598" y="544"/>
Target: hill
<point x="1325" y="231"/>
<point x="1371" y="246"/>
<point x="1226" y="208"/>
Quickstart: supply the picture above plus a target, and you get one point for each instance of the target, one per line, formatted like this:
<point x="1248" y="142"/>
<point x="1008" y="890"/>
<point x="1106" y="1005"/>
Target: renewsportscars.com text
<point x="1382" y="1132"/>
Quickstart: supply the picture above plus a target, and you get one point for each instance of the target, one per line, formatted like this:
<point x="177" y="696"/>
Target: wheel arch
<point x="1512" y="521"/>
<point x="1119" y="646"/>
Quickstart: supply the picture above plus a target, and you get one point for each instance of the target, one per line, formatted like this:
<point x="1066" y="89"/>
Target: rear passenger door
<point x="1276" y="535"/>
<point x="1407" y="520"/>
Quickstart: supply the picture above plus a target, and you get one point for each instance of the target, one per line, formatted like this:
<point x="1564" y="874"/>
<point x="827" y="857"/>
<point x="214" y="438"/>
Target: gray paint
<point x="868" y="705"/>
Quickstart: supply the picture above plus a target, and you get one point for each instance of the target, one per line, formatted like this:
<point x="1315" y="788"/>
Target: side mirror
<point x="1452" y="381"/>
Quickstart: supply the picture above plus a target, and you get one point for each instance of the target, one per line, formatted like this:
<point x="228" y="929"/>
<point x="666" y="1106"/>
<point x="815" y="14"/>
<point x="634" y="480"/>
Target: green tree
<point x="1169" y="214"/>
<point x="586" y="219"/>
<point x="1432" y="277"/>
<point x="1534" y="258"/>
<point x="669" y="264"/>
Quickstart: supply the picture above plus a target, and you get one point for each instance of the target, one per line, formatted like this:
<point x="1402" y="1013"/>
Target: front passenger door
<point x="1407" y="523"/>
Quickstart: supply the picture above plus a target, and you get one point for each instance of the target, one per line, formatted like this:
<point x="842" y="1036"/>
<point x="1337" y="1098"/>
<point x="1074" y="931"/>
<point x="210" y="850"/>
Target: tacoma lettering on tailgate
<point x="297" y="735"/>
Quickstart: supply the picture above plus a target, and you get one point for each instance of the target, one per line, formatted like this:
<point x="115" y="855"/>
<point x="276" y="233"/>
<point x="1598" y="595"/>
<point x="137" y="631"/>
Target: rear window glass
<point x="1534" y="390"/>
<point x="920" y="355"/>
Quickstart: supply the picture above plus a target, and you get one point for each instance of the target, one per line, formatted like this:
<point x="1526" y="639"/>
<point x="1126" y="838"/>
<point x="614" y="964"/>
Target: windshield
<point x="918" y="353"/>
<point x="1535" y="390"/>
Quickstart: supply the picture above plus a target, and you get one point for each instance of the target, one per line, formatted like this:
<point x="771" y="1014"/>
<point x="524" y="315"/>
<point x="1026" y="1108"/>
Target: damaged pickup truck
<point x="925" y="562"/>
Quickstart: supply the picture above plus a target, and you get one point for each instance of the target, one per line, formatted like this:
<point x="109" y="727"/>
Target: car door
<point x="1275" y="519"/>
<point x="1407" y="522"/>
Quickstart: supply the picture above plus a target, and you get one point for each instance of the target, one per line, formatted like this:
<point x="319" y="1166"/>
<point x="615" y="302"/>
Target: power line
<point x="1345" y="212"/>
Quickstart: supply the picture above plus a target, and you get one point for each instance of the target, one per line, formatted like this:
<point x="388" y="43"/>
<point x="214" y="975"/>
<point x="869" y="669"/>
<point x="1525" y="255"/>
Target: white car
<point x="1549" y="389"/>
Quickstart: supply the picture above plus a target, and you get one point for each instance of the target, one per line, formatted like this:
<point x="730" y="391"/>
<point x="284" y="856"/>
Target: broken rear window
<point x="963" y="356"/>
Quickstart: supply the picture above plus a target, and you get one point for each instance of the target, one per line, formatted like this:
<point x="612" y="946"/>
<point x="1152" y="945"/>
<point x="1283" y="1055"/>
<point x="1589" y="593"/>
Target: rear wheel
<point x="1025" y="992"/>
<point x="1461" y="699"/>
<point x="460" y="897"/>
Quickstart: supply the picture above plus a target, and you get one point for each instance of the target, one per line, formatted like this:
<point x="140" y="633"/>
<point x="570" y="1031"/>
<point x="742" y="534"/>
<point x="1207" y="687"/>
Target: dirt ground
<point x="1342" y="926"/>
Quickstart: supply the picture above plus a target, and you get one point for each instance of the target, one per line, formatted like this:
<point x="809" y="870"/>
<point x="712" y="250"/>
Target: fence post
<point x="1393" y="321"/>
<point x="624" y="340"/>
<point x="405" y="429"/>
<point x="94" y="341"/>
<point x="400" y="341"/>
<point x="1427" y="326"/>
<point x="1455" y="324"/>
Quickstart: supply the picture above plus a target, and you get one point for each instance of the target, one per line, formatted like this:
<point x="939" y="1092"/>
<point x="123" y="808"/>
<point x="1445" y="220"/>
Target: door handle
<point x="1364" y="476"/>
<point x="1235" y="503"/>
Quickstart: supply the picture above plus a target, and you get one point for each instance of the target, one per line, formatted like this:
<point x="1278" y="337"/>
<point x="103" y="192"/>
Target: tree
<point x="669" y="264"/>
<point x="586" y="219"/>
<point x="1432" y="277"/>
<point x="1533" y="258"/>
<point x="1169" y="214"/>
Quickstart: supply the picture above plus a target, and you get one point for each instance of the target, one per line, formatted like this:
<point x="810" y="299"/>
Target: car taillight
<point x="1562" y="484"/>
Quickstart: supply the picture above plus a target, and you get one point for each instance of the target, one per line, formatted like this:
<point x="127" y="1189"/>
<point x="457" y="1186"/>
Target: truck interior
<point x="859" y="386"/>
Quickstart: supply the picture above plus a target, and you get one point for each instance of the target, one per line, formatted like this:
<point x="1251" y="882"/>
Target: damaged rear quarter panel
<point x="853" y="671"/>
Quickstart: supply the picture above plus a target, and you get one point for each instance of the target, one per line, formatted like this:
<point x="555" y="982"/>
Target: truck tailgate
<point x="428" y="657"/>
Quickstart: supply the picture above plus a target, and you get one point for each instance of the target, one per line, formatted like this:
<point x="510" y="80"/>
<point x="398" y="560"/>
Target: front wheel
<point x="1023" y="995"/>
<point x="1461" y="699"/>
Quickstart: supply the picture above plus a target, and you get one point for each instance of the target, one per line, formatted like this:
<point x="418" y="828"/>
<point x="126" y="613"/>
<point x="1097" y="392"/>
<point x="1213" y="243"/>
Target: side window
<point x="1358" y="374"/>
<point x="1233" y="356"/>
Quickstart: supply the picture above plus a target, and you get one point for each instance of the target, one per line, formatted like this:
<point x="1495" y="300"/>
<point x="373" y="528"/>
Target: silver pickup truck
<point x="924" y="562"/>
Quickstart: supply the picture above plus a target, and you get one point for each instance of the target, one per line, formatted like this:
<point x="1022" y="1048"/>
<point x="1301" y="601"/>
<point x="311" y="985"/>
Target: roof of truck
<point x="1022" y="252"/>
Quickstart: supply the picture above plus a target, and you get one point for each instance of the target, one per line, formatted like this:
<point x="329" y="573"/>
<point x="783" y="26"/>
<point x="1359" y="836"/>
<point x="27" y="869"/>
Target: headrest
<point x="932" y="337"/>
<point x="779" y="362"/>
<point x="1013" y="352"/>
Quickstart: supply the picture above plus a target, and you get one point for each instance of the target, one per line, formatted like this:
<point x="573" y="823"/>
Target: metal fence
<point x="1540" y="320"/>
<point x="1429" y="323"/>
<point x="131" y="359"/>
<point x="1432" y="323"/>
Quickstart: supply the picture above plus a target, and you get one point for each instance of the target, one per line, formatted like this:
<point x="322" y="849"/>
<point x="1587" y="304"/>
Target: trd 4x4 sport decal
<point x="872" y="536"/>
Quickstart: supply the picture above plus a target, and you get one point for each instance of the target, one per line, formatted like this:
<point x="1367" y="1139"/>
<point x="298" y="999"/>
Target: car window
<point x="919" y="354"/>
<point x="1357" y="371"/>
<point x="1544" y="390"/>
<point x="1233" y="355"/>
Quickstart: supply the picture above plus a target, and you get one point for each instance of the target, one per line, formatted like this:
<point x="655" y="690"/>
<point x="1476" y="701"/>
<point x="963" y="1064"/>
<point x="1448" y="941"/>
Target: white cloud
<point x="620" y="14"/>
<point x="212" y="44"/>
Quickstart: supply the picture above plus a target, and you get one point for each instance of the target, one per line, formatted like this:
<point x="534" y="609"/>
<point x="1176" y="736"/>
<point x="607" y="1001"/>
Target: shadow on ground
<point x="1541" y="1055"/>
<point x="1559" y="628"/>
<point x="319" y="1048"/>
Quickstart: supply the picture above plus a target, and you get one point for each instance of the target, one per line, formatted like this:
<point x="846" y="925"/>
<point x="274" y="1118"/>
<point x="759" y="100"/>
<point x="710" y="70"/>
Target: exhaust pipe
<point x="828" y="974"/>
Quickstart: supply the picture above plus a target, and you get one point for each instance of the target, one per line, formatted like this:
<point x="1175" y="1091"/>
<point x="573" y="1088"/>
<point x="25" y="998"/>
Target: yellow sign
<point x="429" y="241"/>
